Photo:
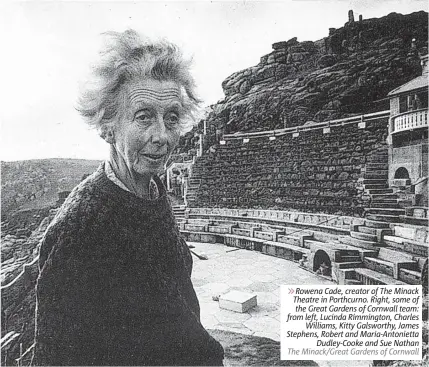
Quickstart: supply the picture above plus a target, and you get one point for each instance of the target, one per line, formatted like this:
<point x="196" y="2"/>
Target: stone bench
<point x="411" y="232"/>
<point x="390" y="262"/>
<point x="244" y="242"/>
<point x="410" y="276"/>
<point x="196" y="227"/>
<point x="379" y="265"/>
<point x="269" y="236"/>
<point x="411" y="218"/>
<point x="371" y="277"/>
<point x="412" y="247"/>
<point x="284" y="251"/>
<point x="242" y="232"/>
<point x="219" y="229"/>
<point x="205" y="237"/>
<point x="289" y="240"/>
<point x="259" y="220"/>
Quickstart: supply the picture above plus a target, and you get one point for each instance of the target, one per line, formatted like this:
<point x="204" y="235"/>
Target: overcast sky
<point x="47" y="48"/>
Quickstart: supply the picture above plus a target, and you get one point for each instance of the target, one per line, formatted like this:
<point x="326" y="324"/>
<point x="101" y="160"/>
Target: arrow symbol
<point x="291" y="290"/>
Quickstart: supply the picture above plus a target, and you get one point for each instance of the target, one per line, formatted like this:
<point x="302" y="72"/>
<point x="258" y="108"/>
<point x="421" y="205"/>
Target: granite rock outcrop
<point x="348" y="72"/>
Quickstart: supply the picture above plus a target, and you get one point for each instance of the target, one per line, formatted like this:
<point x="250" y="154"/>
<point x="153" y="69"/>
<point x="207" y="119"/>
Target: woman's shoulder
<point x="84" y="201"/>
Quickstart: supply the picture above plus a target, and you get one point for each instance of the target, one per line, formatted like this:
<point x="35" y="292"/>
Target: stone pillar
<point x="351" y="16"/>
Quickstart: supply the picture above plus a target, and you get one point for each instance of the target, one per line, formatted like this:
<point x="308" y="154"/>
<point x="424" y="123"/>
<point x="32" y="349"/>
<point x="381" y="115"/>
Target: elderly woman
<point x="115" y="275"/>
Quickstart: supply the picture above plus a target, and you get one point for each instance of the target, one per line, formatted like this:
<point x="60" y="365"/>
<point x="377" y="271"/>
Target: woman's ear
<point x="107" y="133"/>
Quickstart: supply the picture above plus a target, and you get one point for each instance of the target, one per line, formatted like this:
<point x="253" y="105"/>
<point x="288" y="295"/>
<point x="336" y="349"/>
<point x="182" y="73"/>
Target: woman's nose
<point x="159" y="132"/>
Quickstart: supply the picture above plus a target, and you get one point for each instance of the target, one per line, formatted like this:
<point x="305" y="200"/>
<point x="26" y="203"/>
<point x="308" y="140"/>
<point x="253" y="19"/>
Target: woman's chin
<point x="149" y="169"/>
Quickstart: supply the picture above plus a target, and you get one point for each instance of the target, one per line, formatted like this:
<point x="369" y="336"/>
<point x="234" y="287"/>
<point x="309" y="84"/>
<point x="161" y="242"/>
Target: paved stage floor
<point x="228" y="268"/>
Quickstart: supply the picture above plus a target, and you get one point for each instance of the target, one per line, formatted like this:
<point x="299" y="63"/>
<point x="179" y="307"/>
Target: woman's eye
<point x="143" y="117"/>
<point x="172" y="118"/>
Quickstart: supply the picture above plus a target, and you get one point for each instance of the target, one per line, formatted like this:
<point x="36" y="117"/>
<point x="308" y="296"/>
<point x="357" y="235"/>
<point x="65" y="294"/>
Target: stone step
<point x="192" y="188"/>
<point x="415" y="220"/>
<point x="377" y="171"/>
<point x="379" y="265"/>
<point x="391" y="254"/>
<point x="390" y="262"/>
<point x="409" y="246"/>
<point x="345" y="253"/>
<point x="368" y="230"/>
<point x="380" y="191"/>
<point x="410" y="276"/>
<point x="376" y="174"/>
<point x="219" y="229"/>
<point x="354" y="258"/>
<point x="405" y="203"/>
<point x="381" y="159"/>
<point x="384" y="199"/>
<point x="352" y="282"/>
<point x="283" y="250"/>
<point x="384" y="205"/>
<point x="372" y="166"/>
<point x="385" y="211"/>
<point x="383" y="218"/>
<point x="290" y="240"/>
<point x="379" y="167"/>
<point x="349" y="264"/>
<point x="370" y="245"/>
<point x="196" y="227"/>
<point x="371" y="186"/>
<point x="412" y="232"/>
<point x="364" y="236"/>
<point x="374" y="181"/>
<point x="179" y="214"/>
<point x="376" y="223"/>
<point x="380" y="197"/>
<point x="368" y="276"/>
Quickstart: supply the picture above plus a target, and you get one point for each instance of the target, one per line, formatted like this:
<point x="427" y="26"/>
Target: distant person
<point x="115" y="275"/>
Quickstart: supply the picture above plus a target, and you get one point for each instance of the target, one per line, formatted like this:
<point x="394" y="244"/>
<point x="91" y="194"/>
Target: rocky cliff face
<point x="346" y="73"/>
<point x="19" y="272"/>
<point x="35" y="184"/>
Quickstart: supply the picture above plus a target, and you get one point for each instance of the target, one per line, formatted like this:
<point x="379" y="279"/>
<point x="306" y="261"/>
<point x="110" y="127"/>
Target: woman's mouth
<point x="155" y="158"/>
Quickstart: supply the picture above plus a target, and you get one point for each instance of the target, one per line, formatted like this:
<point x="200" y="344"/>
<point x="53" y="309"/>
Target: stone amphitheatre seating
<point x="339" y="169"/>
<point x="311" y="239"/>
<point x="311" y="172"/>
<point x="288" y="235"/>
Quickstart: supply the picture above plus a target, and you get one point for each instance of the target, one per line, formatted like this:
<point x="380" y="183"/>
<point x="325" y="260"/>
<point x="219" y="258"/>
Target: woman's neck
<point x="137" y="184"/>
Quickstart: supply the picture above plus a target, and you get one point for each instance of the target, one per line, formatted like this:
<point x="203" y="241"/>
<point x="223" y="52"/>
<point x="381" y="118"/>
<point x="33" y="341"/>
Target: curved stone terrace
<point x="248" y="271"/>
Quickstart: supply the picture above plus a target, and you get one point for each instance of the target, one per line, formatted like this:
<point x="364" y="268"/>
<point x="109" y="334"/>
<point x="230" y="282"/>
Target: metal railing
<point x="321" y="125"/>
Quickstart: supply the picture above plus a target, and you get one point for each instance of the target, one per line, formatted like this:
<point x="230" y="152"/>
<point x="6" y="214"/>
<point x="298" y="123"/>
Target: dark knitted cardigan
<point x="114" y="285"/>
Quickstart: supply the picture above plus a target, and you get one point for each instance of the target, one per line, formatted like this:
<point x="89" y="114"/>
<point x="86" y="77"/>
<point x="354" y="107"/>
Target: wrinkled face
<point x="149" y="129"/>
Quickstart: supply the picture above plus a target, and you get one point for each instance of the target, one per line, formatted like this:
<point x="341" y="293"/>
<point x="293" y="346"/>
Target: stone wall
<point x="313" y="172"/>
